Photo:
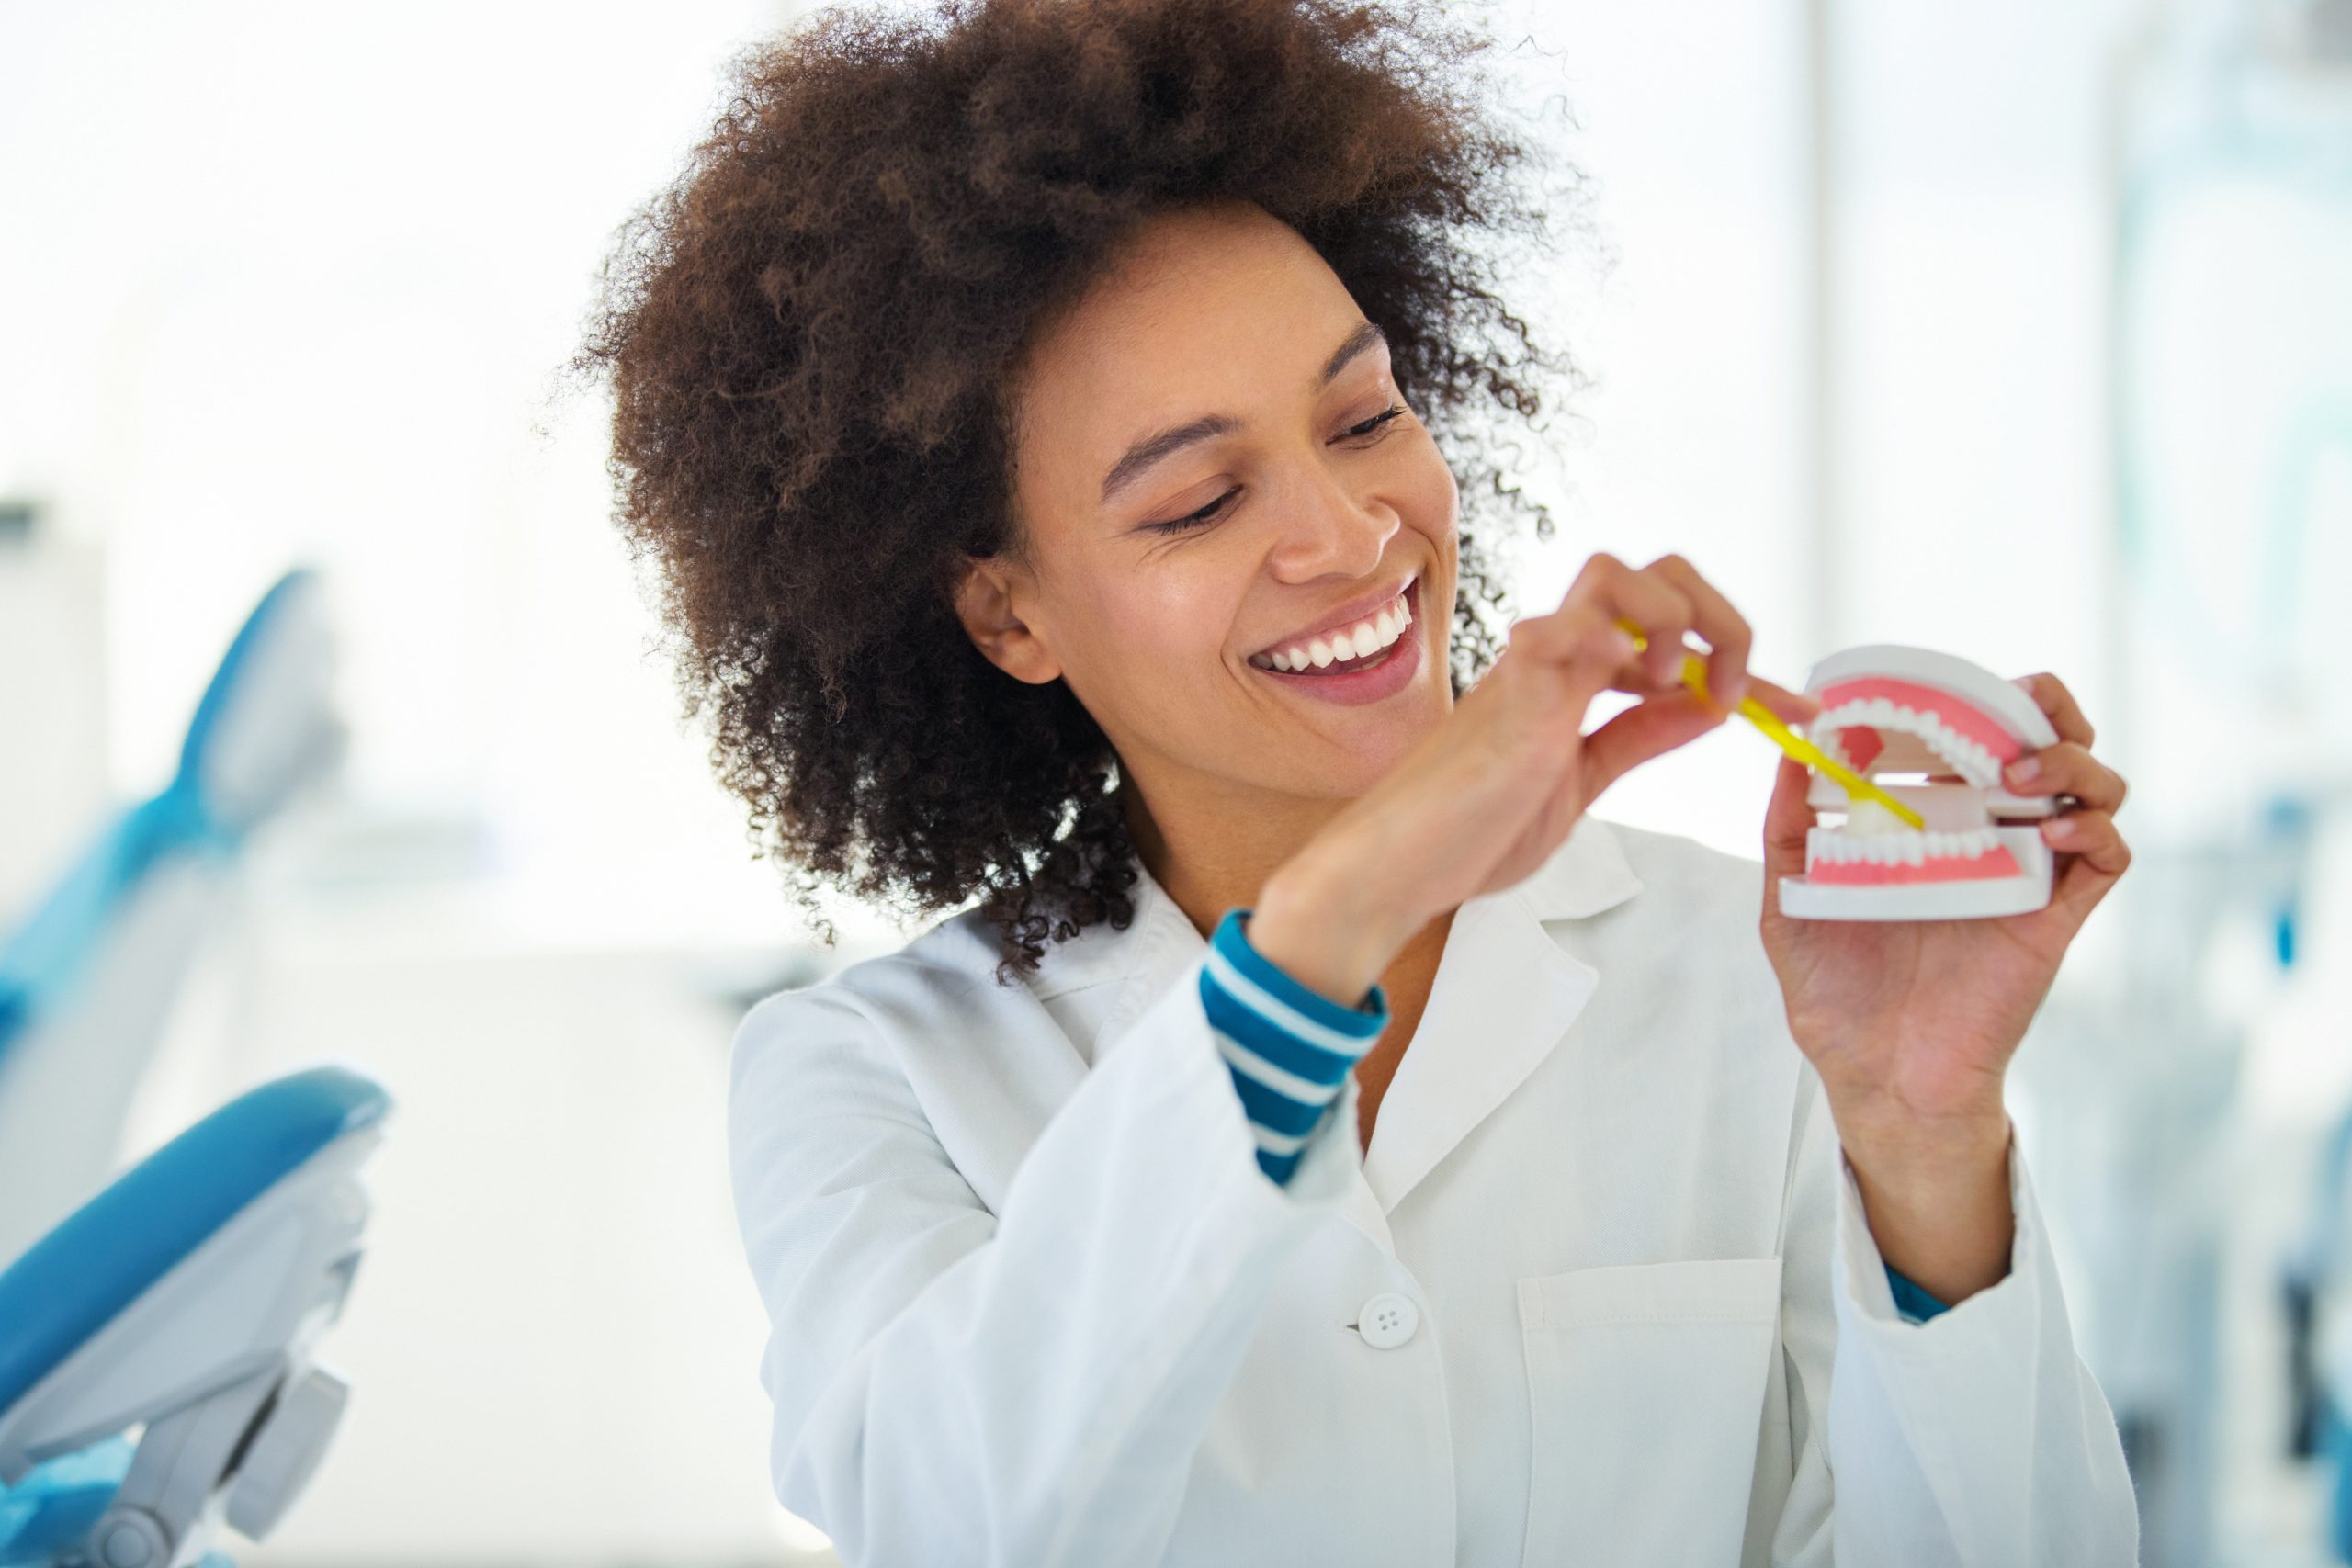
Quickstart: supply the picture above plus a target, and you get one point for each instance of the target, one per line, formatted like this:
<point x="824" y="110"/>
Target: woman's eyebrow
<point x="1165" y="442"/>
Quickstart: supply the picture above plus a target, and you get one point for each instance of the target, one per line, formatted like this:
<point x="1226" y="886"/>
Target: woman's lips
<point x="1371" y="680"/>
<point x="1348" y="623"/>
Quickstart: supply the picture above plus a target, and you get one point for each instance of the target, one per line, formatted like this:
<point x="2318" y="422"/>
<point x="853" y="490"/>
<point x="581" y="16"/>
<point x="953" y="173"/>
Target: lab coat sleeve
<point x="1026" y="1386"/>
<point x="1977" y="1439"/>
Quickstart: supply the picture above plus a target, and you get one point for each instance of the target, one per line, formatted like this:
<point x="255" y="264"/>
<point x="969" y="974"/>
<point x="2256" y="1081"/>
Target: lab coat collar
<point x="1505" y="994"/>
<point x="1586" y="875"/>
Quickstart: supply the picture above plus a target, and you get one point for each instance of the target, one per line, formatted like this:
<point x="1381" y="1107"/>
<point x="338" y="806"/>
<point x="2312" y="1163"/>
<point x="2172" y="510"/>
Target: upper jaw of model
<point x="1888" y="710"/>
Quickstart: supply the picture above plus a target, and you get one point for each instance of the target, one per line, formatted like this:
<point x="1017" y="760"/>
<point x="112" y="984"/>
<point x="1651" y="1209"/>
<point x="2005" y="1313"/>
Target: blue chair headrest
<point x="75" y="1279"/>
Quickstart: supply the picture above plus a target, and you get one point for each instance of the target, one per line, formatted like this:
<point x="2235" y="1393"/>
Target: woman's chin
<point x="1351" y="750"/>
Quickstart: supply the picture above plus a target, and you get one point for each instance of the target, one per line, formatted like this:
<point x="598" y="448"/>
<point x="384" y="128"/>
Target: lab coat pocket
<point x="1647" y="1385"/>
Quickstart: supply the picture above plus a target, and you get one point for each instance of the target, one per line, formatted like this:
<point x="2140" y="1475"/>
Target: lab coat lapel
<point x="1505" y="994"/>
<point x="1159" y="946"/>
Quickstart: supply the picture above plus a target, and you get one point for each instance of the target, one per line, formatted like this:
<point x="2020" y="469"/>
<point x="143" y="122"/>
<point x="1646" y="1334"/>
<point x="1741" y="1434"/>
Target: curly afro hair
<point x="810" y="333"/>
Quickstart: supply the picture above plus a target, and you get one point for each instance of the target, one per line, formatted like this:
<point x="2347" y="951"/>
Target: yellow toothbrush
<point x="1694" y="675"/>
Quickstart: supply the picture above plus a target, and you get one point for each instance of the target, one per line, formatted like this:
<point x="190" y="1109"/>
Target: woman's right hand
<point x="1484" y="800"/>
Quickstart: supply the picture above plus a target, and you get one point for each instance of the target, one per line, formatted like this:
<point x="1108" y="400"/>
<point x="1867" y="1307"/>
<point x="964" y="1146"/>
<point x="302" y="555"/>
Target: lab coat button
<point x="1387" y="1321"/>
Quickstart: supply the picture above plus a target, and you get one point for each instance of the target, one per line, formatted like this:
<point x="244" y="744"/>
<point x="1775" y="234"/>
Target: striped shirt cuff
<point x="1289" y="1046"/>
<point x="1914" y="1303"/>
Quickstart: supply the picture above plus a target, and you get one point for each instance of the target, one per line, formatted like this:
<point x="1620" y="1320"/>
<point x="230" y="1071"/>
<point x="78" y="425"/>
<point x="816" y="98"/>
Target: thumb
<point x="1787" y="819"/>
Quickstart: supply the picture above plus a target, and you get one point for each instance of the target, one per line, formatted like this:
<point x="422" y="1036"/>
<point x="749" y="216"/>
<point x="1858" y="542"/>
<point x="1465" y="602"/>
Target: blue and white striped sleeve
<point x="1290" y="1047"/>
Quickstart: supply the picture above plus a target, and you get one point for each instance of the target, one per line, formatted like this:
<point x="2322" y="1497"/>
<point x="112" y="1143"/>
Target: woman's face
<point x="1203" y="473"/>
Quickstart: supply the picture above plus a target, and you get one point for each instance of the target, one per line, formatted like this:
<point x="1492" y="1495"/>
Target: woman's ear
<point x="987" y="602"/>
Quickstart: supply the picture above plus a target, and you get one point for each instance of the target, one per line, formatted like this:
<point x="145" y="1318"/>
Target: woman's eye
<point x="1208" y="513"/>
<point x="1194" y="520"/>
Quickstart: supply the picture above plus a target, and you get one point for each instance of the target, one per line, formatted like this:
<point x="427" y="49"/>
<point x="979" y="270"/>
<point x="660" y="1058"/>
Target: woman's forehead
<point x="1203" y="315"/>
<point x="1184" y="282"/>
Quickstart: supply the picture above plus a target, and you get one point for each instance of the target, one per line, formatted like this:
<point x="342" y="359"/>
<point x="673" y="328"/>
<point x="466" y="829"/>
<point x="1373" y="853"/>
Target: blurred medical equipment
<point x="2142" y="1082"/>
<point x="54" y="708"/>
<point x="187" y="1299"/>
<point x="2232" y="388"/>
<point x="2315" y="1277"/>
<point x="87" y="982"/>
<point x="2229" y="386"/>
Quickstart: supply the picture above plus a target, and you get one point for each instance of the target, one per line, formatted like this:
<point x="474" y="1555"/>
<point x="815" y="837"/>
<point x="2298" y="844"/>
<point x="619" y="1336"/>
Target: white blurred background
<point x="2023" y="331"/>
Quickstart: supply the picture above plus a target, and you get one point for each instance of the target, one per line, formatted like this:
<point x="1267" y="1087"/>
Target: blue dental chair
<point x="89" y="980"/>
<point x="158" y="1333"/>
<point x="188" y="1298"/>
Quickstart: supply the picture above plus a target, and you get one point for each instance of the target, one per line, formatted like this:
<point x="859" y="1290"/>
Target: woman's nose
<point x="1329" y="529"/>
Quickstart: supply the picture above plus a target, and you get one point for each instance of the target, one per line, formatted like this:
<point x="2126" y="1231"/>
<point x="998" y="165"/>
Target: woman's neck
<point x="1219" y="856"/>
<point x="1226" y="870"/>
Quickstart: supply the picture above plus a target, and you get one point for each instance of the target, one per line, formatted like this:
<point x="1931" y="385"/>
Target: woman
<point x="1322" y="1141"/>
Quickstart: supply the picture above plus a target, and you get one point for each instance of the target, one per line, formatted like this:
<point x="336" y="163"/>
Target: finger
<point x="1788" y="819"/>
<point x="1579" y="651"/>
<point x="1661" y="609"/>
<point x="1641" y="681"/>
<point x="1724" y="629"/>
<point x="2092" y="854"/>
<point x="2067" y="769"/>
<point x="1789" y="707"/>
<point x="2049" y="695"/>
<point x="1647" y="729"/>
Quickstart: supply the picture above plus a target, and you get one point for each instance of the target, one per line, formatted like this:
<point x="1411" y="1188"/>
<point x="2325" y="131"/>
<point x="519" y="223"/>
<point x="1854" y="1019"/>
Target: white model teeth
<point x="1360" y="642"/>
<point x="1897" y="849"/>
<point x="1969" y="759"/>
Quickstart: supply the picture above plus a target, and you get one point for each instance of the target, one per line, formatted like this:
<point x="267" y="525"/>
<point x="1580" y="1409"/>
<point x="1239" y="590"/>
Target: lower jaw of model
<point x="1891" y="711"/>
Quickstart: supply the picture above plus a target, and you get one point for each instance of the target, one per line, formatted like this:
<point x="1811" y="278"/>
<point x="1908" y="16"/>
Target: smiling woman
<point x="817" y="339"/>
<point x="1046" y="424"/>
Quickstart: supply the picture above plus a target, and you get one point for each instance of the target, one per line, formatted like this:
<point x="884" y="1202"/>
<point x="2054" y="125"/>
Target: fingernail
<point x="2025" y="770"/>
<point x="1734" y="690"/>
<point x="2062" y="827"/>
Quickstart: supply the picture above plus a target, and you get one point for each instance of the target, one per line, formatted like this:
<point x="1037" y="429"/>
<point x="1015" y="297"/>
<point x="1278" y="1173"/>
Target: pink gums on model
<point x="1961" y="717"/>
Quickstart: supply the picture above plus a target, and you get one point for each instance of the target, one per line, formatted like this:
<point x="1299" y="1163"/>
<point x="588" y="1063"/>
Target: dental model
<point x="1890" y="710"/>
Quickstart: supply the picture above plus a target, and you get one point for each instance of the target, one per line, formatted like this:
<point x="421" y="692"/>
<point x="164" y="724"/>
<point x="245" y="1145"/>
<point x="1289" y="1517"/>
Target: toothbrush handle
<point x="1694" y="675"/>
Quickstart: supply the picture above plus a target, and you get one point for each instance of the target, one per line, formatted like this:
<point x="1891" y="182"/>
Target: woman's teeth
<point x="1361" y="641"/>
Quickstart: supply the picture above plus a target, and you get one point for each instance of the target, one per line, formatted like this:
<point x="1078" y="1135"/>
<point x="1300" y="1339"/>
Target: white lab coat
<point x="1034" y="1304"/>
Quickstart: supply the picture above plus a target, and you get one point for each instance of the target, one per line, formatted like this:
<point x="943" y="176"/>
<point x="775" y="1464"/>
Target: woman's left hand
<point x="1911" y="1024"/>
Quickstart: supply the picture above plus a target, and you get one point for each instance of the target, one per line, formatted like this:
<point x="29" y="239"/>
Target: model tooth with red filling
<point x="1889" y="710"/>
